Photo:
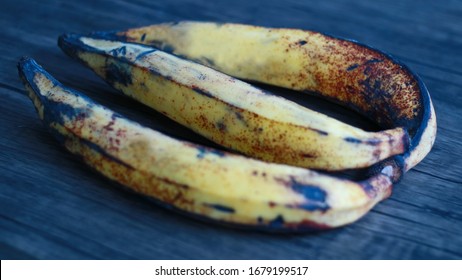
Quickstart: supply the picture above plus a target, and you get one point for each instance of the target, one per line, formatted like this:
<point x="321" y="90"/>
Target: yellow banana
<point x="231" y="112"/>
<point x="207" y="183"/>
<point x="344" y="71"/>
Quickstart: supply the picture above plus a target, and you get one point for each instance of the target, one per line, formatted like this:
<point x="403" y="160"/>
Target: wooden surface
<point x="54" y="207"/>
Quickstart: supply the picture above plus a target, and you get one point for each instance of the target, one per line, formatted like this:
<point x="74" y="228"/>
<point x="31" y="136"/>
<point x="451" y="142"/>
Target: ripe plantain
<point x="344" y="71"/>
<point x="204" y="182"/>
<point x="231" y="112"/>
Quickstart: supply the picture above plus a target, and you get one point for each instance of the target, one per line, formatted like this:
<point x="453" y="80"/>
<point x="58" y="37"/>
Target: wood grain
<point x="53" y="207"/>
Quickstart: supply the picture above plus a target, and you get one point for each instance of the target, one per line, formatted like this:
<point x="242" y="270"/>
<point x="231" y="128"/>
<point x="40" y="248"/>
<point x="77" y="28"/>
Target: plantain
<point x="228" y="111"/>
<point x="206" y="183"/>
<point x="218" y="186"/>
<point x="344" y="71"/>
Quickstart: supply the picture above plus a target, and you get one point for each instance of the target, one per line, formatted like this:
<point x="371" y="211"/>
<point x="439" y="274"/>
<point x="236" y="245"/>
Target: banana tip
<point x="69" y="43"/>
<point x="72" y="44"/>
<point x="27" y="67"/>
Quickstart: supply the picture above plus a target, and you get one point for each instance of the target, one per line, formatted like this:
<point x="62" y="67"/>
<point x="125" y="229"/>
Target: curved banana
<point x="344" y="71"/>
<point x="231" y="112"/>
<point x="207" y="183"/>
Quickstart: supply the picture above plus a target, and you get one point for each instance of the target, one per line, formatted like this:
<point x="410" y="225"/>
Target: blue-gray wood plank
<point x="53" y="207"/>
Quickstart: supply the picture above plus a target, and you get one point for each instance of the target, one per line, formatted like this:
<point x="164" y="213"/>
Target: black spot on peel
<point x="203" y="151"/>
<point x="278" y="222"/>
<point x="374" y="60"/>
<point x="372" y="85"/>
<point x="143" y="37"/>
<point x="315" y="196"/>
<point x="202" y="77"/>
<point x="320" y="132"/>
<point x="373" y="88"/>
<point x="172" y="182"/>
<point x="221" y="126"/>
<point x="352" y="67"/>
<point x="220" y="207"/>
<point x="65" y="110"/>
<point x="374" y="93"/>
<point x="239" y="116"/>
<point x="119" y="51"/>
<point x="352" y="140"/>
<point x="308" y="155"/>
<point x="370" y="61"/>
<point x="118" y="73"/>
<point x="201" y="91"/>
<point x="302" y="42"/>
<point x="372" y="142"/>
<point x="369" y="189"/>
<point x="143" y="54"/>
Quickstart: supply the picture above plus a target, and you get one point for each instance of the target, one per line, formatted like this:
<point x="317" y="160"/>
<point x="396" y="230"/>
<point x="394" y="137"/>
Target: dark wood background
<point x="54" y="207"/>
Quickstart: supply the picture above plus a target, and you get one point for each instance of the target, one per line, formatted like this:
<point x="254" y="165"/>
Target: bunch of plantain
<point x="190" y="71"/>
